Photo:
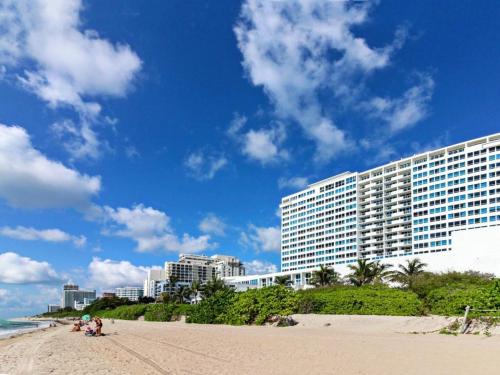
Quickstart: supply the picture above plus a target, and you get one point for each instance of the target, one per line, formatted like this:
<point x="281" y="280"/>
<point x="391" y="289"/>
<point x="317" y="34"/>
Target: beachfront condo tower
<point x="442" y="206"/>
<point x="405" y="208"/>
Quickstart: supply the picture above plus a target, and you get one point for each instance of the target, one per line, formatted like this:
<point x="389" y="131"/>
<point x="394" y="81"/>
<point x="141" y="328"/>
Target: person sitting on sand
<point x="89" y="331"/>
<point x="76" y="328"/>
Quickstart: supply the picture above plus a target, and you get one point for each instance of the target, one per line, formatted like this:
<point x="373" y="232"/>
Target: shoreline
<point x="43" y="324"/>
<point x="318" y="344"/>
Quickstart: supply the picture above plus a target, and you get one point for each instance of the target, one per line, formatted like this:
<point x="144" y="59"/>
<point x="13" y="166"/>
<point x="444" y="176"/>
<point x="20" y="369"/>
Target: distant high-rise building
<point x="53" y="308"/>
<point x="153" y="278"/>
<point x="71" y="294"/>
<point x="191" y="268"/>
<point x="227" y="265"/>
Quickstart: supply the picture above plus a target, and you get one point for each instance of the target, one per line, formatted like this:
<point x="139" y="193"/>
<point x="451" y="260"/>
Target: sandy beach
<point x="317" y="345"/>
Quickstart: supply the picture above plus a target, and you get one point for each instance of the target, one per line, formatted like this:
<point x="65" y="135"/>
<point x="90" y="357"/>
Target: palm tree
<point x="407" y="274"/>
<point x="164" y="297"/>
<point x="195" y="289"/>
<point x="213" y="286"/>
<point x="362" y="273"/>
<point x="380" y="271"/>
<point x="181" y="293"/>
<point x="172" y="284"/>
<point x="282" y="280"/>
<point x="324" y="276"/>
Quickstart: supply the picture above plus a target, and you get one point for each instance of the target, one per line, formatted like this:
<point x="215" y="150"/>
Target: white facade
<point x="53" y="308"/>
<point x="72" y="294"/>
<point x="441" y="206"/>
<point x="80" y="305"/>
<point x="228" y="266"/>
<point x="154" y="276"/>
<point x="405" y="208"/>
<point x="189" y="268"/>
<point x="132" y="293"/>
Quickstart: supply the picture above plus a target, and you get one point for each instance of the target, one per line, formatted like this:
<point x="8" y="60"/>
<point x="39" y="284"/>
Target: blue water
<point x="8" y="327"/>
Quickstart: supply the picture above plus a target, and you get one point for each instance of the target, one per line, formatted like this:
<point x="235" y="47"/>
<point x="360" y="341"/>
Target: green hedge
<point x="160" y="312"/>
<point x="131" y="312"/>
<point x="255" y="306"/>
<point x="453" y="299"/>
<point x="165" y="312"/>
<point x="63" y="314"/>
<point x="366" y="300"/>
<point x="212" y="310"/>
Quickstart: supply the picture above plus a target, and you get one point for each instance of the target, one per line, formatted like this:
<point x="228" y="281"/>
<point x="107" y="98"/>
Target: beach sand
<point x="318" y="345"/>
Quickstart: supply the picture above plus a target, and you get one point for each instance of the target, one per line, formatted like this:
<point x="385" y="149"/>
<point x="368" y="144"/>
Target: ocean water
<point x="9" y="327"/>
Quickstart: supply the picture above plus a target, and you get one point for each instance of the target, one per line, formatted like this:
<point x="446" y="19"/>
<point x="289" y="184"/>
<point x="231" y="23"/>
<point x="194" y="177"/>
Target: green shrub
<point x="159" y="312"/>
<point x="166" y="312"/>
<point x="424" y="284"/>
<point x="102" y="304"/>
<point x="452" y="299"/>
<point x="211" y="310"/>
<point x="131" y="312"/>
<point x="63" y="314"/>
<point x="367" y="300"/>
<point x="182" y="310"/>
<point x="255" y="306"/>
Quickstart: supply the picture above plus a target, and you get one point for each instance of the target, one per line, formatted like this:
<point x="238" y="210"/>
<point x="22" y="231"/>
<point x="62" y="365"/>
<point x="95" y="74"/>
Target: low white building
<point x="132" y="293"/>
<point x="53" y="308"/>
<point x="80" y="305"/>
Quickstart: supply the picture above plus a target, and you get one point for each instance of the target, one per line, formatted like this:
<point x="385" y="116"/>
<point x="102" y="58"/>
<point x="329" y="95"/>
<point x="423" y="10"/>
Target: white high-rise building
<point x="154" y="276"/>
<point x="189" y="268"/>
<point x="72" y="293"/>
<point x="227" y="265"/>
<point x="442" y="206"/>
<point x="408" y="207"/>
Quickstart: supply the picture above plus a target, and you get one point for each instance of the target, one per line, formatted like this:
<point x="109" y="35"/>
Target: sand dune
<point x="318" y="345"/>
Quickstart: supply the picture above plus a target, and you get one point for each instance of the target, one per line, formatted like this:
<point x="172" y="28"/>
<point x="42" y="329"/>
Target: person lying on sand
<point x="76" y="328"/>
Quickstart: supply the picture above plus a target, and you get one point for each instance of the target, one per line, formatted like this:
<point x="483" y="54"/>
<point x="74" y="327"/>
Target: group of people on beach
<point x="93" y="327"/>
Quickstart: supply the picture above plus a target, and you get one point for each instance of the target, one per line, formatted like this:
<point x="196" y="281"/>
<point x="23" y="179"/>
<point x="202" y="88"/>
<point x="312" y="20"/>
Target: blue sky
<point x="130" y="132"/>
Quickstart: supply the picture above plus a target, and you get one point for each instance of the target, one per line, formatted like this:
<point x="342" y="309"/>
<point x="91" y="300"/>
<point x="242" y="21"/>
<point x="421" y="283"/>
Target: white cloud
<point x="211" y="224"/>
<point x="266" y="239"/>
<point x="264" y="145"/>
<point x="151" y="230"/>
<point x="16" y="269"/>
<point x="260" y="267"/>
<point x="108" y="274"/>
<point x="64" y="64"/>
<point x="24" y="300"/>
<point x="49" y="235"/>
<point x="300" y="52"/>
<point x="204" y="166"/>
<point x="402" y="113"/>
<point x="29" y="179"/>
<point x="237" y="124"/>
<point x="79" y="140"/>
<point x="296" y="183"/>
<point x="131" y="152"/>
<point x="69" y="63"/>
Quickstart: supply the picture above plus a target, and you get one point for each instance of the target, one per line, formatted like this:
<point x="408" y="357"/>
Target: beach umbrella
<point x="86" y="317"/>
